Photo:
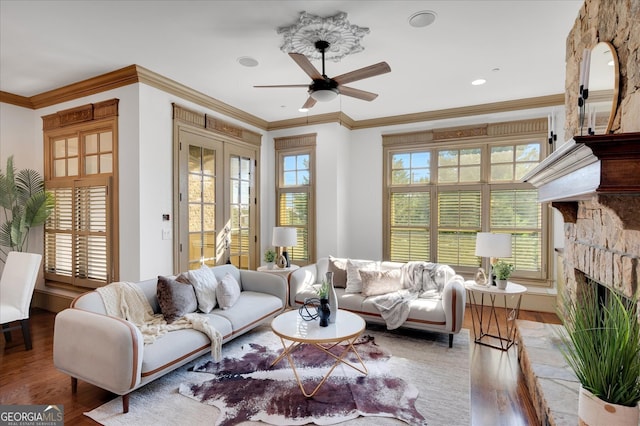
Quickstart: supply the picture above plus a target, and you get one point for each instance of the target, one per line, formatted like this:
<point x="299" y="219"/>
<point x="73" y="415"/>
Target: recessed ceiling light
<point x="247" y="61"/>
<point x="303" y="109"/>
<point x="479" y="82"/>
<point x="422" y="19"/>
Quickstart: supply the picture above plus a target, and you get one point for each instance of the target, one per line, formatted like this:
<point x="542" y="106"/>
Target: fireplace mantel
<point x="607" y="166"/>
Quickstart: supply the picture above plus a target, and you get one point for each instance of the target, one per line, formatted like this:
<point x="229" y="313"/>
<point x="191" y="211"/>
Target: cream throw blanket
<point x="127" y="301"/>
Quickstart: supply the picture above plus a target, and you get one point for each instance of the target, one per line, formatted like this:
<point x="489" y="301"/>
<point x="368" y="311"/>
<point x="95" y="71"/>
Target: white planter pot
<point x="502" y="284"/>
<point x="592" y="411"/>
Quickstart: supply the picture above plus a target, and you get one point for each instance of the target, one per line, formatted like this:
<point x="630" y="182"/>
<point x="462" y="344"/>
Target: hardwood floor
<point x="498" y="393"/>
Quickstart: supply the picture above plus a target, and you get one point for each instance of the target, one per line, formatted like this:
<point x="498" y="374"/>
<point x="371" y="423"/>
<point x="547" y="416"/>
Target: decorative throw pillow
<point x="228" y="291"/>
<point x="339" y="269"/>
<point x="375" y="283"/>
<point x="175" y="299"/>
<point x="204" y="283"/>
<point x="354" y="282"/>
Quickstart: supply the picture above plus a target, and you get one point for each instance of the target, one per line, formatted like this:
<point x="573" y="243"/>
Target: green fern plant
<point x="25" y="204"/>
<point x="602" y="346"/>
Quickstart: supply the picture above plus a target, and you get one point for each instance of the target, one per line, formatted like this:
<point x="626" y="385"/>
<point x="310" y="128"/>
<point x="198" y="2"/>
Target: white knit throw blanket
<point x="127" y="301"/>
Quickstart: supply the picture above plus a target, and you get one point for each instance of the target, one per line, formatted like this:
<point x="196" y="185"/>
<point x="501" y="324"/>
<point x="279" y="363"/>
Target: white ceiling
<point x="48" y="44"/>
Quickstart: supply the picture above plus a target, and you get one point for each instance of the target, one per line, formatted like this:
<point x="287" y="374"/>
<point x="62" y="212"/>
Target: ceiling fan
<point x="323" y="88"/>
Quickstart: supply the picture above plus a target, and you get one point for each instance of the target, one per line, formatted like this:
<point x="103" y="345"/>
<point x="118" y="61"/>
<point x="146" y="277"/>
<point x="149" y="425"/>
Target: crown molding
<point x="10" y="98"/>
<point x="466" y="111"/>
<point x="330" y="117"/>
<point x="137" y="74"/>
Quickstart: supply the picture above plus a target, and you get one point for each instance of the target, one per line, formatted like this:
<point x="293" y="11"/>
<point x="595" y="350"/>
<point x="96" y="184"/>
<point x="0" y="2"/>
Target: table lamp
<point x="493" y="246"/>
<point x="284" y="237"/>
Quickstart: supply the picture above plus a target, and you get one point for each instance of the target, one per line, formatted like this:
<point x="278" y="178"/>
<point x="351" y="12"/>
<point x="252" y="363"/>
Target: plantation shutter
<point x="518" y="212"/>
<point x="78" y="242"/>
<point x="459" y="219"/>
<point x="409" y="236"/>
<point x="294" y="212"/>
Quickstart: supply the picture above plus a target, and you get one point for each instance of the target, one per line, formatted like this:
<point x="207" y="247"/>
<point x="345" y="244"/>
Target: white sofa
<point x="109" y="352"/>
<point x="443" y="312"/>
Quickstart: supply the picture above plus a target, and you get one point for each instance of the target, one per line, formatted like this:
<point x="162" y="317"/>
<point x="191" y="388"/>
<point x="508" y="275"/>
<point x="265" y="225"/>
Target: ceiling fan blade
<point x="284" y="85"/>
<point x="310" y="103"/>
<point x="362" y="73"/>
<point x="357" y="93"/>
<point x="306" y="65"/>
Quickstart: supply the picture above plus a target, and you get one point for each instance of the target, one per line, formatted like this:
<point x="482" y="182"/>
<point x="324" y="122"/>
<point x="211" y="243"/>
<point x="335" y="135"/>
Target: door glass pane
<point x="239" y="186"/>
<point x="208" y="161"/>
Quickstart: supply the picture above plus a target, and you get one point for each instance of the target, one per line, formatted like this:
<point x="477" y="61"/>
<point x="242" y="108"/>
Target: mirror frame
<point x="616" y="82"/>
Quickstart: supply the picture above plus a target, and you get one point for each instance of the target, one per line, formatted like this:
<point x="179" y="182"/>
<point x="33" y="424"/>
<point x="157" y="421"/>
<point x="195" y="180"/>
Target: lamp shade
<point x="493" y="245"/>
<point x="284" y="236"/>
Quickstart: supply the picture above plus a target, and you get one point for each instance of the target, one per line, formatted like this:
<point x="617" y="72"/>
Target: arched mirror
<point x="602" y="102"/>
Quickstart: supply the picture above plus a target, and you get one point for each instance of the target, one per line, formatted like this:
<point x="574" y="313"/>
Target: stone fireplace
<point x="594" y="181"/>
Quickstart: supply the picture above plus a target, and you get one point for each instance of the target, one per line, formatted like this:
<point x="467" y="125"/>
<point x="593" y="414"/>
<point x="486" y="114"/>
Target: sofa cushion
<point x="251" y="308"/>
<point x="175" y="299"/>
<point x="177" y="344"/>
<point x="204" y="282"/>
<point x="227" y="291"/>
<point x="375" y="283"/>
<point x="354" y="282"/>
<point x="339" y="269"/>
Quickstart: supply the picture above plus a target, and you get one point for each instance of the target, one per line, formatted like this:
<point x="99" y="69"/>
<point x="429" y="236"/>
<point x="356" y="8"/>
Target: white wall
<point x="332" y="203"/>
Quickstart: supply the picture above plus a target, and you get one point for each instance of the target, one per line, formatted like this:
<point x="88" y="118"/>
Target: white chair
<point x="16" y="288"/>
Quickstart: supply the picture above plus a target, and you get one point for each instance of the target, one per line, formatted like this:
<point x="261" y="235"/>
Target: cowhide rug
<point x="245" y="388"/>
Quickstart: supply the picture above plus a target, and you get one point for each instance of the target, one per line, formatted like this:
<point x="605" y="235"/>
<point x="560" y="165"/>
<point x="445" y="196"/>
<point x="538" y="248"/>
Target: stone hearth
<point x="552" y="384"/>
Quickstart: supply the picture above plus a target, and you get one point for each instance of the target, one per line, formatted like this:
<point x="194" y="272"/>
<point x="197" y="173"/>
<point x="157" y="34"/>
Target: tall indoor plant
<point x="25" y="204"/>
<point x="602" y="346"/>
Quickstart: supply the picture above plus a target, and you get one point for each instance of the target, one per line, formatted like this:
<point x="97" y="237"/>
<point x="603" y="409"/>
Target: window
<point x="79" y="171"/>
<point x="441" y="194"/>
<point x="295" y="193"/>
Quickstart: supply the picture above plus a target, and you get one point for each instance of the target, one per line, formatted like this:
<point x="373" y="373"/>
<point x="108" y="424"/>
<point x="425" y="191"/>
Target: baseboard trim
<point x="50" y="302"/>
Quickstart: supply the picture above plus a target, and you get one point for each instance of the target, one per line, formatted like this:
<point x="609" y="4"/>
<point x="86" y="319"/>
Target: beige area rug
<point x="440" y="375"/>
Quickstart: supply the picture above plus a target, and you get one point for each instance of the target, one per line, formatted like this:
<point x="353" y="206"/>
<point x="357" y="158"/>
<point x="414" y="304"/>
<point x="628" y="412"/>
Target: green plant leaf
<point x="602" y="345"/>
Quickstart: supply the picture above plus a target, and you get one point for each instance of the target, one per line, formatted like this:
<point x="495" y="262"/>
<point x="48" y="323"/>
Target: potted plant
<point x="270" y="257"/>
<point x="602" y="346"/>
<point x="503" y="271"/>
<point x="25" y="203"/>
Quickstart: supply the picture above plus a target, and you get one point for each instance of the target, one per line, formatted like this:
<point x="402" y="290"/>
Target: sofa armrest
<point x="102" y="350"/>
<point x="263" y="282"/>
<point x="454" y="302"/>
<point x="299" y="279"/>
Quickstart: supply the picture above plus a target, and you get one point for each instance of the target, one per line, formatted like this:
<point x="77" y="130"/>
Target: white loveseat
<point x="440" y="309"/>
<point x="109" y="352"/>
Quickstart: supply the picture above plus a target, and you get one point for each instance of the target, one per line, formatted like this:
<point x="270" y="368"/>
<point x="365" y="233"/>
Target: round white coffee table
<point x="294" y="331"/>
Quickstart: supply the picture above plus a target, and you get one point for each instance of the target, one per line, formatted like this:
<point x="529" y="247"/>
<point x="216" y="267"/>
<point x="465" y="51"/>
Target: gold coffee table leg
<point x="339" y="359"/>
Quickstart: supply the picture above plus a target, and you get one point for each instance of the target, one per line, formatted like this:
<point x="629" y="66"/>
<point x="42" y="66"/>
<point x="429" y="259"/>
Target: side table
<point x="506" y="327"/>
<point x="283" y="272"/>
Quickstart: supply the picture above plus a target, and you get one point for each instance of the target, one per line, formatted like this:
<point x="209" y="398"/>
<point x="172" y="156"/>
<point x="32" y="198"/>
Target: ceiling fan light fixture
<point x="324" y="95"/>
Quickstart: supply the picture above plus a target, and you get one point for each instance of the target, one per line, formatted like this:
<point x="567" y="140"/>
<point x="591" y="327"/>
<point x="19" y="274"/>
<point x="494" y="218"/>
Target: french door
<point x="216" y="202"/>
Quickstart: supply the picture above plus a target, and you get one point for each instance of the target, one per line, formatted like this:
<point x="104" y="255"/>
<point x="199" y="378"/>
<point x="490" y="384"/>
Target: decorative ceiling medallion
<point x="343" y="38"/>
